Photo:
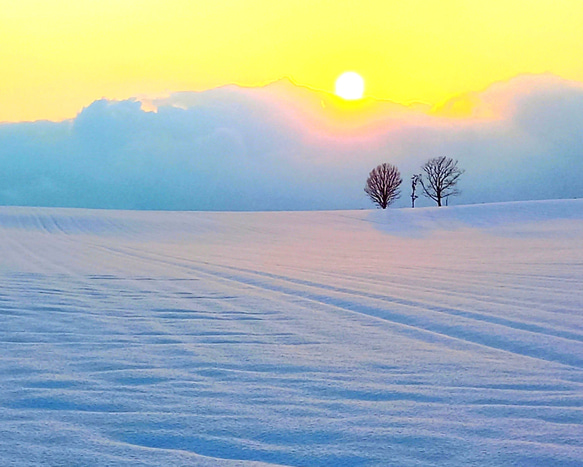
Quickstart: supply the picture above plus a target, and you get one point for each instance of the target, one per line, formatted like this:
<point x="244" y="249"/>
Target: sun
<point x="350" y="86"/>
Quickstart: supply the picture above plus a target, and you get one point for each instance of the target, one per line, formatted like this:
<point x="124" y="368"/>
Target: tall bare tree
<point x="382" y="185"/>
<point x="441" y="177"/>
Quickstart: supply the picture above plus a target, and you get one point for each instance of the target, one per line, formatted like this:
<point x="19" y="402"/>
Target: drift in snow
<point x="448" y="336"/>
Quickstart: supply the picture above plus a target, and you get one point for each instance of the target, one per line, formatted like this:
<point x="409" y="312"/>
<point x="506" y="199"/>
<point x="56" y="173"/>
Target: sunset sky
<point x="233" y="104"/>
<point x="58" y="56"/>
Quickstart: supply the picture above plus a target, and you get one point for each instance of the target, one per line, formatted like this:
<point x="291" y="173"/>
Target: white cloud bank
<point x="276" y="148"/>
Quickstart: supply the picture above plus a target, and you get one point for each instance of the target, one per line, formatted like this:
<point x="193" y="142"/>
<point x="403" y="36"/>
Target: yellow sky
<point x="57" y="56"/>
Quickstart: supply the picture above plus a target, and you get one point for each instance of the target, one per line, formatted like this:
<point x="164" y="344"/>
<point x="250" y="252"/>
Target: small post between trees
<point x="414" y="180"/>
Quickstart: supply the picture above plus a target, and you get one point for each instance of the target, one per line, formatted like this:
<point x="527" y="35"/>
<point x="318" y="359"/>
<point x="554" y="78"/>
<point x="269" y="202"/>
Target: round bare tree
<point x="382" y="185"/>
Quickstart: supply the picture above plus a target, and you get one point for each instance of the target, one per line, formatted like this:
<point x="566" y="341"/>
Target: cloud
<point x="288" y="147"/>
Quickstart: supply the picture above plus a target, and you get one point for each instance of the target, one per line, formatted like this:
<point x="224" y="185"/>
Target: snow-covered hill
<point x="448" y="336"/>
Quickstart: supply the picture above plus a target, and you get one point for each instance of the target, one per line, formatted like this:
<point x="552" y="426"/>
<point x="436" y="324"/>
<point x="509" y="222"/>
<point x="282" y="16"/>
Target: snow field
<point x="421" y="337"/>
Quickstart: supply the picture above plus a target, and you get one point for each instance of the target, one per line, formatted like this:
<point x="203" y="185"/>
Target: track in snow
<point x="408" y="337"/>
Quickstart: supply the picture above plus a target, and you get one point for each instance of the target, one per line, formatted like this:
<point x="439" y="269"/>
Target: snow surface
<point x="448" y="336"/>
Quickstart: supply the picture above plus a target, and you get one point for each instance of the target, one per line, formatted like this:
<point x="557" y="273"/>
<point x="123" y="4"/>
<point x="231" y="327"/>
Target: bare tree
<point x="382" y="185"/>
<point x="441" y="177"/>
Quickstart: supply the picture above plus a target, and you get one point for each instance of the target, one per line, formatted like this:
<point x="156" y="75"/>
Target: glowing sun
<point x="350" y="86"/>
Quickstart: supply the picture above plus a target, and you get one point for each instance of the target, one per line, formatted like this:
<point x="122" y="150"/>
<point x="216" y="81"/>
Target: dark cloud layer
<point x="240" y="149"/>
